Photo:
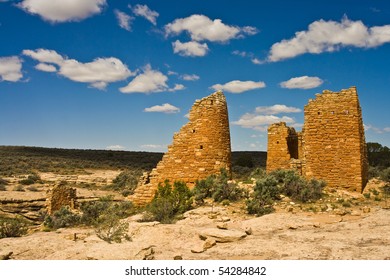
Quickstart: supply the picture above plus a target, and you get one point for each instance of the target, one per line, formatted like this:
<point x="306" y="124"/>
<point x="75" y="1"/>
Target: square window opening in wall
<point x="193" y="131"/>
<point x="319" y="113"/>
<point x="332" y="112"/>
<point x="201" y="147"/>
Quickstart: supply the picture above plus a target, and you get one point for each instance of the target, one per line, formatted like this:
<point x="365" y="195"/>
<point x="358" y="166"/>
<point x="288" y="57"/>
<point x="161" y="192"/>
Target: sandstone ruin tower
<point x="331" y="146"/>
<point x="201" y="148"/>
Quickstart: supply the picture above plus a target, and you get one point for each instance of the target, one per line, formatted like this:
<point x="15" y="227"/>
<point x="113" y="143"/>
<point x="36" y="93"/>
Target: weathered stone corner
<point x="60" y="196"/>
<point x="331" y="146"/>
<point x="201" y="148"/>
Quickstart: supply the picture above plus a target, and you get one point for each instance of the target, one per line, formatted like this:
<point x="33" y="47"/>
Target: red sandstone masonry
<point x="201" y="148"/>
<point x="332" y="146"/>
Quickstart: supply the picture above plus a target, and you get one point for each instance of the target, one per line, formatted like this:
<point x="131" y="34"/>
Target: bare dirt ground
<point x="340" y="226"/>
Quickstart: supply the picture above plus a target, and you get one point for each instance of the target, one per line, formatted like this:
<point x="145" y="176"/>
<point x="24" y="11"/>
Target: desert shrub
<point x="218" y="188"/>
<point x="203" y="189"/>
<point x="32" y="189"/>
<point x="93" y="211"/>
<point x="367" y="195"/>
<point x="12" y="227"/>
<point x="258" y="173"/>
<point x="126" y="182"/>
<point x="297" y="187"/>
<point x="62" y="218"/>
<point x="265" y="193"/>
<point x="3" y="182"/>
<point x="31" y="179"/>
<point x="269" y="187"/>
<point x="112" y="230"/>
<point x="19" y="188"/>
<point x="385" y="175"/>
<point x="3" y="188"/>
<point x="168" y="203"/>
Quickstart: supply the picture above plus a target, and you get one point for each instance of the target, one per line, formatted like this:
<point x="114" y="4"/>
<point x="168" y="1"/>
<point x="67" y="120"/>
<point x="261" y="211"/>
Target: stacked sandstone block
<point x="201" y="148"/>
<point x="333" y="140"/>
<point x="60" y="196"/>
<point x="331" y="146"/>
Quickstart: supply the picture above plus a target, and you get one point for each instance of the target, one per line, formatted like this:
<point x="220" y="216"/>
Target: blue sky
<point x="101" y="74"/>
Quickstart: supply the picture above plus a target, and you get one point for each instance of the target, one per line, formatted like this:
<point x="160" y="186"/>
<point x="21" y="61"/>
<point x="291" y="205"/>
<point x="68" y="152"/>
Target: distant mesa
<point x="201" y="148"/>
<point x="331" y="145"/>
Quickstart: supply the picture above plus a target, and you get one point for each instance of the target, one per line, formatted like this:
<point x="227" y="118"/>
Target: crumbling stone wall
<point x="59" y="196"/>
<point x="282" y="146"/>
<point x="201" y="148"/>
<point x="332" y="144"/>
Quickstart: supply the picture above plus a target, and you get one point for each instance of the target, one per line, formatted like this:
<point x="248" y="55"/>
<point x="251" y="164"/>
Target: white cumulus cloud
<point x="115" y="148"/>
<point x="145" y="12"/>
<point x="124" y="20"/>
<point x="264" y="116"/>
<point x="63" y="10"/>
<point x="261" y="122"/>
<point x="97" y="73"/>
<point x="165" y="108"/>
<point x="276" y="109"/>
<point x="304" y="82"/>
<point x="237" y="86"/>
<point x="148" y="82"/>
<point x="190" y="77"/>
<point x="191" y="48"/>
<point x="152" y="146"/>
<point x="46" y="67"/>
<point x="329" y="36"/>
<point x="10" y="68"/>
<point x="201" y="28"/>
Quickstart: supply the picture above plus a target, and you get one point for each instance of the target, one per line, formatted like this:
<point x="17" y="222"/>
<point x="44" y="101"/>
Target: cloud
<point x="239" y="86"/>
<point x="148" y="82"/>
<point x="45" y="56"/>
<point x="250" y="55"/>
<point x="329" y="36"/>
<point x="304" y="82"/>
<point x="266" y="115"/>
<point x="152" y="146"/>
<point x="10" y="69"/>
<point x="190" y="48"/>
<point x="187" y="77"/>
<point x="97" y="73"/>
<point x="376" y="129"/>
<point x="165" y="108"/>
<point x="261" y="122"/>
<point x="144" y="11"/>
<point x="124" y="20"/>
<point x="177" y="87"/>
<point x="115" y="148"/>
<point x="276" y="109"/>
<point x="201" y="28"/>
<point x="46" y="67"/>
<point x="61" y="10"/>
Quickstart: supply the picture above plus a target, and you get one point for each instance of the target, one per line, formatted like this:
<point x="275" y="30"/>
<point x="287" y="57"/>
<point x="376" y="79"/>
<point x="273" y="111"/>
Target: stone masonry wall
<point x="282" y="146"/>
<point x="332" y="144"/>
<point x="201" y="148"/>
<point x="60" y="196"/>
<point x="333" y="140"/>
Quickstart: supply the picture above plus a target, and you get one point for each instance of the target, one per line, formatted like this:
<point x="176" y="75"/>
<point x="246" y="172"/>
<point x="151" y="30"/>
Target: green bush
<point x="62" y="218"/>
<point x="218" y="188"/>
<point x="112" y="230"/>
<point x="31" y="179"/>
<point x="204" y="189"/>
<point x="126" y="182"/>
<point x="93" y="211"/>
<point x="225" y="190"/>
<point x="265" y="193"/>
<point x="287" y="182"/>
<point x="168" y="203"/>
<point x="12" y="227"/>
